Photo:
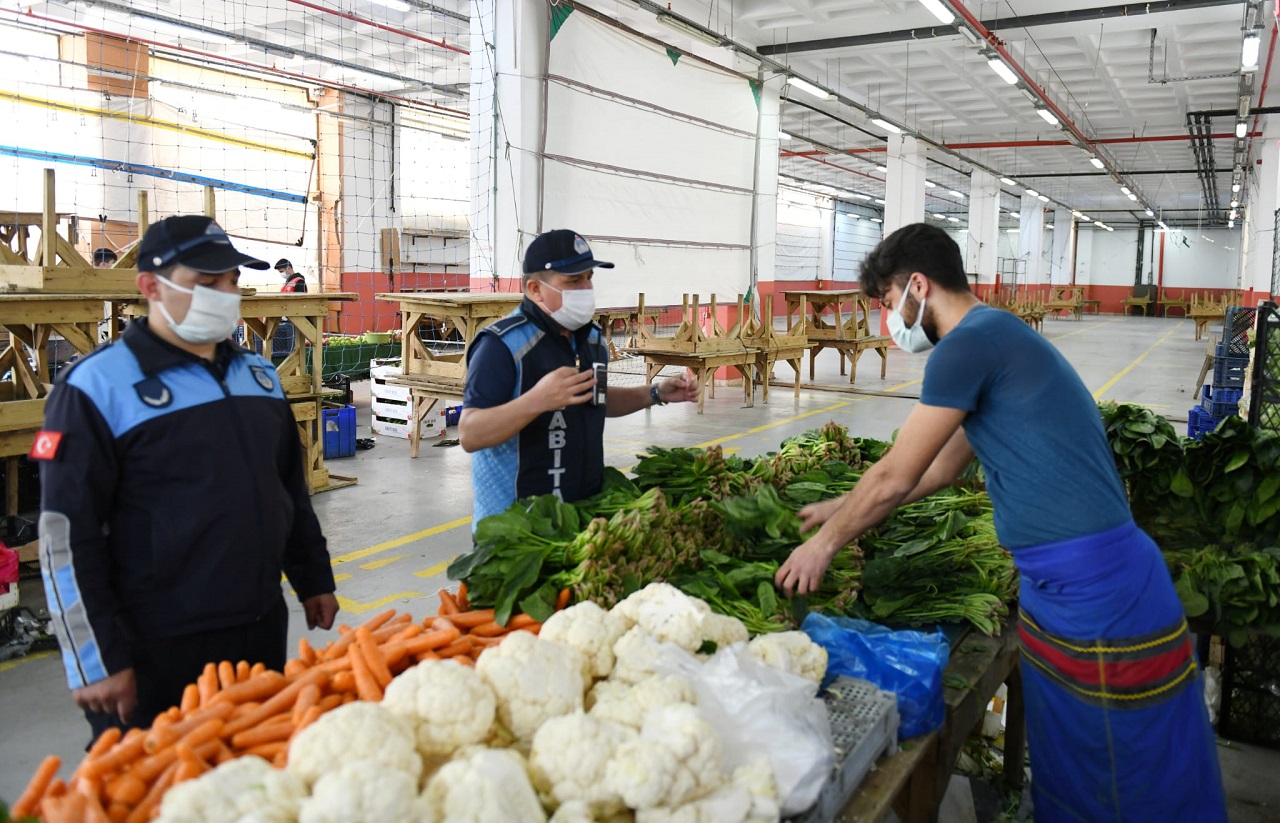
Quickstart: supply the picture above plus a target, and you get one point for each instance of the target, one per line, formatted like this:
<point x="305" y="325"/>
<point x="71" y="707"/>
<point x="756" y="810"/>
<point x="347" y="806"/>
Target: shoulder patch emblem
<point x="261" y="374"/>
<point x="154" y="393"/>
<point x="45" y="446"/>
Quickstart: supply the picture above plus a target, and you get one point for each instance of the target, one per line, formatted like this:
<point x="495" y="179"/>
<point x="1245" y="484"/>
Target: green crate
<point x="351" y="361"/>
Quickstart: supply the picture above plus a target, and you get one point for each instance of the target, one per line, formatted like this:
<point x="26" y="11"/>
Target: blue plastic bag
<point x="907" y="663"/>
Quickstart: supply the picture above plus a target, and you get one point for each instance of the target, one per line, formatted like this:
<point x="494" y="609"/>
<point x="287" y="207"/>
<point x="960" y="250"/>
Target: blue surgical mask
<point x="913" y="339"/>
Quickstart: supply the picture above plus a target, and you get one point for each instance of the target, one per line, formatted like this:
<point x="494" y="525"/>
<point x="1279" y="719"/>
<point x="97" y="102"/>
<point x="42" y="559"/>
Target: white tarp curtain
<point x="802" y="226"/>
<point x="855" y="237"/>
<point x="671" y="164"/>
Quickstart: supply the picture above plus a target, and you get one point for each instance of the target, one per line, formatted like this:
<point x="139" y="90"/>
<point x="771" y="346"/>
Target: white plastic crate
<point x="380" y="388"/>
<point x="390" y="409"/>
<point x="433" y="426"/>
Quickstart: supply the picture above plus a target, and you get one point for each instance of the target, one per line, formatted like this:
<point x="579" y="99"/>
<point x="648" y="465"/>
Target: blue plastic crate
<point x="1200" y="423"/>
<point x="452" y="414"/>
<point x="1219" y="402"/>
<point x="339" y="431"/>
<point x="1228" y="372"/>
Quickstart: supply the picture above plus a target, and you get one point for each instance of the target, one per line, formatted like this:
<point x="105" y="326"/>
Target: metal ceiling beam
<point x="1023" y="22"/>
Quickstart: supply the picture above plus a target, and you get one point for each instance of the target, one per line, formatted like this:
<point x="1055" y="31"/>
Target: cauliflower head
<point x="488" y="786"/>
<point x="791" y="652"/>
<point x="362" y="791"/>
<point x="589" y="629"/>
<point x="629" y="706"/>
<point x="637" y="655"/>
<point x="244" y="790"/>
<point x="750" y="797"/>
<point x="666" y="613"/>
<point x="722" y="630"/>
<point x="447" y="704"/>
<point x="356" y="731"/>
<point x="675" y="759"/>
<point x="534" y="680"/>
<point x="569" y="757"/>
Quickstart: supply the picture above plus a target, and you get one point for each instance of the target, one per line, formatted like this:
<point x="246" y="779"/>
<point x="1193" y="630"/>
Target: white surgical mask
<point x="212" y="316"/>
<point x="913" y="339"/>
<point x="577" y="307"/>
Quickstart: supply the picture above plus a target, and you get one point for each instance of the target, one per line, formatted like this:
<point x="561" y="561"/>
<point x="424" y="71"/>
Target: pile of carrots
<point x="241" y="709"/>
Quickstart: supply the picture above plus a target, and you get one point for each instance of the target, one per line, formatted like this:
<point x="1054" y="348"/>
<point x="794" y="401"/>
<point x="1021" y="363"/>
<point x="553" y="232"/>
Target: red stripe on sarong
<point x="1119" y="674"/>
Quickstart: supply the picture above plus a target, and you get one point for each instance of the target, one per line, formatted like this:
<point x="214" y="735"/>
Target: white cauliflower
<point x="637" y="655"/>
<point x="722" y="630"/>
<point x="666" y="613"/>
<point x="604" y="690"/>
<point x="577" y="811"/>
<point x="676" y="759"/>
<point x="589" y="629"/>
<point x="569" y="758"/>
<point x="244" y="790"/>
<point x="534" y="680"/>
<point x="447" y="704"/>
<point x="356" y="731"/>
<point x="488" y="786"/>
<point x="362" y="791"/>
<point x="629" y="706"/>
<point x="791" y="652"/>
<point x="750" y="797"/>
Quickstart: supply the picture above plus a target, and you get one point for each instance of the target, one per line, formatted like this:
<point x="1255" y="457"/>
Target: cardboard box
<point x="433" y="426"/>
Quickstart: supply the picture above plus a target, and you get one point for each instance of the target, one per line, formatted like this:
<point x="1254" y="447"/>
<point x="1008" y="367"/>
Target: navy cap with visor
<point x="194" y="241"/>
<point x="561" y="251"/>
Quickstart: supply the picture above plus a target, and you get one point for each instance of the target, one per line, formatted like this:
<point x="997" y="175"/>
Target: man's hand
<point x="566" y="386"/>
<point x="117" y="695"/>
<point x="320" y="609"/>
<point x="815" y="514"/>
<point x="803" y="571"/>
<point x="681" y="389"/>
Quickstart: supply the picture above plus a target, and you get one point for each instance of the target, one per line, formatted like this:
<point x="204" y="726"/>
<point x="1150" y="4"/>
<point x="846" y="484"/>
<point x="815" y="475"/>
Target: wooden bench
<point x="1140" y="298"/>
<point x="851" y="341"/>
<point x="1167" y="303"/>
<point x="772" y="347"/>
<point x="1205" y="310"/>
<point x="1069" y="299"/>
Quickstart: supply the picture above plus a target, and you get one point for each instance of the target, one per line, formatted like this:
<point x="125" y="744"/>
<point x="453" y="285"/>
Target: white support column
<point x="1031" y="239"/>
<point x="508" y="62"/>
<point x="765" y="234"/>
<point x="1258" y="232"/>
<point x="984" y="226"/>
<point x="904" y="195"/>
<point x="1062" y="260"/>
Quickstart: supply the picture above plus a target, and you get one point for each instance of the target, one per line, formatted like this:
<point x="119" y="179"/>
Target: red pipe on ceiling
<point x="355" y="19"/>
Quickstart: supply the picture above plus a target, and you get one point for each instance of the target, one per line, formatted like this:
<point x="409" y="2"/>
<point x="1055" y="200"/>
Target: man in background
<point x="104" y="258"/>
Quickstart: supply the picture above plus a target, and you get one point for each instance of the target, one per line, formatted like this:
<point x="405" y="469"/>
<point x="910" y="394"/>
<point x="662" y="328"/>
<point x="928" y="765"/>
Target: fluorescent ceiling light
<point x="1235" y="203"/>
<point x="1231" y="224"/>
<point x="1049" y="227"/>
<point x="1007" y="181"/>
<point x="956" y="193"/>
<point x="1012" y="231"/>
<point x="1206" y="237"/>
<point x="1249" y="52"/>
<point x="394" y="5"/>
<point x="1124" y="189"/>
<point x="968" y="34"/>
<point x="1235" y="188"/>
<point x="862" y="196"/>
<point x="876" y="220"/>
<point x="1108" y="228"/>
<point x="1150" y="213"/>
<point x="806" y="87"/>
<point x="782" y="135"/>
<point x="1241" y="129"/>
<point x="186" y="32"/>
<point x="693" y="31"/>
<point x="1099" y="224"/>
<point x="1047" y="116"/>
<point x="954" y="219"/>
<point x="1077" y="215"/>
<point x="1015" y="215"/>
<point x="1163" y="225"/>
<point x="1097" y="162"/>
<point x="929" y="184"/>
<point x="1133" y="196"/>
<point x="939" y="10"/>
<point x="881" y="168"/>
<point x="1043" y="199"/>
<point x="886" y="125"/>
<point x="879" y="201"/>
<point x="1033" y="192"/>
<point x="1002" y="68"/>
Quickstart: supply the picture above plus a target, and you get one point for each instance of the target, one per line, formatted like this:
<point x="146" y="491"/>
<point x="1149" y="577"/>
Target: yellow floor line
<point x="1090" y="327"/>
<point x="16" y="662"/>
<point x="784" y="421"/>
<point x="400" y="541"/>
<point x="908" y="383"/>
<point x="434" y="570"/>
<point x="352" y="607"/>
<point x="1120" y="374"/>
<point x="386" y="561"/>
<point x="341" y="576"/>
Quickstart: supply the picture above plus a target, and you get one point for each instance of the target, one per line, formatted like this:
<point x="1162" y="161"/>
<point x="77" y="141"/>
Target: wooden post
<point x="210" y="202"/>
<point x="11" y="486"/>
<point x="49" y="228"/>
<point x="144" y="219"/>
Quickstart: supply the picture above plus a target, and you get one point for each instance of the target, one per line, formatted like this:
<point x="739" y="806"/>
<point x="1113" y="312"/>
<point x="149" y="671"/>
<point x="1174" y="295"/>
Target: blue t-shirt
<point x="1033" y="425"/>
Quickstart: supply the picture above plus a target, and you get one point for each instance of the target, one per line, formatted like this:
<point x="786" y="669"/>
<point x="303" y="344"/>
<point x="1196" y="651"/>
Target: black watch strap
<point x="655" y="397"/>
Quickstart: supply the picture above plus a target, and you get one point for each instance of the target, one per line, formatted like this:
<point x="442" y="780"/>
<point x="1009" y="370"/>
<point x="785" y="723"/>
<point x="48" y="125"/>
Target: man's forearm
<point x="624" y="400"/>
<point x="872" y="500"/>
<point x="485" y="428"/>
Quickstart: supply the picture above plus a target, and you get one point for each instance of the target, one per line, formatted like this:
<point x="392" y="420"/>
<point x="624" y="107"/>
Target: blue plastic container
<point x="339" y="431"/>
<point x="451" y="415"/>
<point x="1219" y="402"/>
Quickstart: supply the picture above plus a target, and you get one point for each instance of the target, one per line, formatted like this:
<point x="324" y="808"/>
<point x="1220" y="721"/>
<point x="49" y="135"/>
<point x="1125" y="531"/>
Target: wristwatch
<point x="655" y="397"/>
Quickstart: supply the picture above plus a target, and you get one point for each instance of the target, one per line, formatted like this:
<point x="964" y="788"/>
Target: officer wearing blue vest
<point x="174" y="494"/>
<point x="534" y="406"/>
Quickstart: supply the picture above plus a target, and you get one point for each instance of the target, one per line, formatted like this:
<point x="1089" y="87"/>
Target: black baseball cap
<point x="283" y="263"/>
<point x="561" y="251"/>
<point x="196" y="242"/>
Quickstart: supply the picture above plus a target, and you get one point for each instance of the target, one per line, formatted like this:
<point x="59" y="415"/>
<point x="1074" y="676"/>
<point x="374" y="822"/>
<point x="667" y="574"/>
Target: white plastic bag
<point x="1213" y="692"/>
<point x="758" y="710"/>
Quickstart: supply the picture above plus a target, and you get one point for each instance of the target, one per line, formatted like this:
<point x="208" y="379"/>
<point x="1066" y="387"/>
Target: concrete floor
<point x="392" y="535"/>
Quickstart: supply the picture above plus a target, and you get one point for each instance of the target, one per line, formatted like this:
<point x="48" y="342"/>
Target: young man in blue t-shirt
<point x="531" y="411"/>
<point x="1116" y="722"/>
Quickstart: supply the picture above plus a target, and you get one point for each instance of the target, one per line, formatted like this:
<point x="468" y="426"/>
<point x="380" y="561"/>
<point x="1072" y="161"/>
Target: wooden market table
<point x="848" y="332"/>
<point x="32" y="321"/>
<point x="301" y="372"/>
<point x="911" y="782"/>
<point x="432" y="376"/>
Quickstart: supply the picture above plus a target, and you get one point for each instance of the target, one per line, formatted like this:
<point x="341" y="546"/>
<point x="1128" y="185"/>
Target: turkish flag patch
<point x="46" y="445"/>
